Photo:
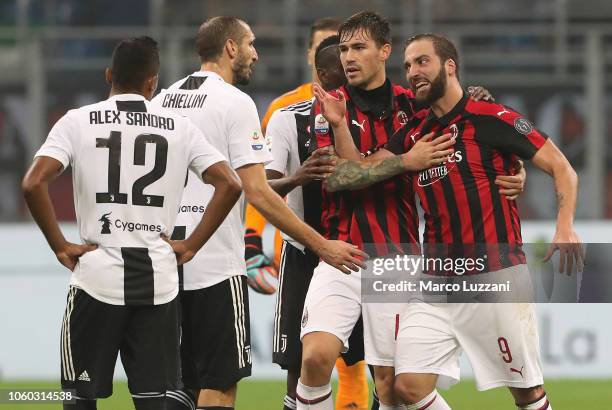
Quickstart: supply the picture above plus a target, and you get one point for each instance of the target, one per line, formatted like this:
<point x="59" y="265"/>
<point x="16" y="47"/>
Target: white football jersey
<point x="229" y="119"/>
<point x="129" y="160"/>
<point x="288" y="129"/>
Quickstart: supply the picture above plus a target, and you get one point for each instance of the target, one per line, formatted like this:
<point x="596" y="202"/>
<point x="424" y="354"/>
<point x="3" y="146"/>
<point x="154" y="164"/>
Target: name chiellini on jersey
<point x="129" y="159"/>
<point x="228" y="117"/>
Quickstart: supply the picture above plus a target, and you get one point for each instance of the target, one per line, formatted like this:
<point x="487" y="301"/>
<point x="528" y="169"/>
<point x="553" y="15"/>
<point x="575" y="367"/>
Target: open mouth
<point x="351" y="71"/>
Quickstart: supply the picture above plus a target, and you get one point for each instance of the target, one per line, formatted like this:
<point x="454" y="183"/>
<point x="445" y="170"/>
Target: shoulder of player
<point x="400" y="90"/>
<point x="492" y="113"/>
<point x="290" y="97"/>
<point x="301" y="107"/>
<point x="175" y="85"/>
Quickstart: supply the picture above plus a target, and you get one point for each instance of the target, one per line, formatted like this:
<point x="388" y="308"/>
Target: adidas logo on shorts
<point x="84" y="377"/>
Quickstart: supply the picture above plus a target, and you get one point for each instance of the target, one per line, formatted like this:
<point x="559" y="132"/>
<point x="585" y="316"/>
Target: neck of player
<point x="224" y="70"/>
<point x="451" y="98"/>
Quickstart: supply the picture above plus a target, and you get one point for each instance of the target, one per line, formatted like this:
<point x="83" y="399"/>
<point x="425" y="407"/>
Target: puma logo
<point x="359" y="125"/>
<point x="499" y="114"/>
<point x="413" y="136"/>
<point x="513" y="370"/>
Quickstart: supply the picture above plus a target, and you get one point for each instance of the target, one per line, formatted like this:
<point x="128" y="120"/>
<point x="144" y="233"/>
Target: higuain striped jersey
<point x="463" y="208"/>
<point x="129" y="159"/>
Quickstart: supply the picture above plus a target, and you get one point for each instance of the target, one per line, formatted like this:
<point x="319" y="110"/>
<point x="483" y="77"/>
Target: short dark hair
<point x="326" y="43"/>
<point x="214" y="33"/>
<point x="444" y="47"/>
<point x="375" y="26"/>
<point x="134" y="60"/>
<point x="324" y="24"/>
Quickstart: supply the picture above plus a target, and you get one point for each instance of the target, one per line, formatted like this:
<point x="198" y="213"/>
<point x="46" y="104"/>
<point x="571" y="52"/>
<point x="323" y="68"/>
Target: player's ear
<point x="151" y="85"/>
<point x="451" y="67"/>
<point x="322" y="75"/>
<point x="310" y="56"/>
<point x="231" y="47"/>
<point x="385" y="51"/>
<point x="108" y="74"/>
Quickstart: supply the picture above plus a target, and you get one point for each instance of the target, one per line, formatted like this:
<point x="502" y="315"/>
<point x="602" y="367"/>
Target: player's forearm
<point x="223" y="200"/>
<point x="350" y="175"/>
<point x="37" y="198"/>
<point x="282" y="186"/>
<point x="566" y="186"/>
<point x="275" y="210"/>
<point x="344" y="144"/>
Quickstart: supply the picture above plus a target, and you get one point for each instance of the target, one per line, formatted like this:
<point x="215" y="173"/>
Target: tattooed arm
<point x="356" y="175"/>
<point x="552" y="161"/>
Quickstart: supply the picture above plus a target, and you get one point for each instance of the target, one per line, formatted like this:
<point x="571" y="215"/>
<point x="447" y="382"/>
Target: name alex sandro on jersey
<point x="142" y="119"/>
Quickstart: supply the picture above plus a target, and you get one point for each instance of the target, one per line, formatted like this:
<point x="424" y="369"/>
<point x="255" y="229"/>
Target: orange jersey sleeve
<point x="302" y="93"/>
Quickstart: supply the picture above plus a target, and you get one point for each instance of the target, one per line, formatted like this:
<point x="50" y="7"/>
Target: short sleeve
<point x="60" y="141"/>
<point x="247" y="145"/>
<point x="510" y="132"/>
<point x="202" y="154"/>
<point x="279" y="132"/>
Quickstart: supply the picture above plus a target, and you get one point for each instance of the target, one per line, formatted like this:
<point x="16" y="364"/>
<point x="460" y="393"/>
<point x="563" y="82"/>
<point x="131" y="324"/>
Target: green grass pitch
<point x="268" y="395"/>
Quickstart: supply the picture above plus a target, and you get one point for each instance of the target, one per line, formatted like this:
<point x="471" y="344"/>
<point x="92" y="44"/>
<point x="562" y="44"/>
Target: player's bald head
<point x="214" y="33"/>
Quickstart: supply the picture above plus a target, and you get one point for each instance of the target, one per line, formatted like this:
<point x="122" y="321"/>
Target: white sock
<point x="541" y="404"/>
<point x="433" y="401"/>
<point x="289" y="403"/>
<point x="314" y="398"/>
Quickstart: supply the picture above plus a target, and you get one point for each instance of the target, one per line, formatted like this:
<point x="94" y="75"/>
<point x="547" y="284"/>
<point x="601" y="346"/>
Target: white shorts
<point x="500" y="339"/>
<point x="380" y="327"/>
<point x="333" y="305"/>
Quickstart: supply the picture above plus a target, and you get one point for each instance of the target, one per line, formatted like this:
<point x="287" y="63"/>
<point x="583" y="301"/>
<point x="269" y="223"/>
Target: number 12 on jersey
<point x="113" y="143"/>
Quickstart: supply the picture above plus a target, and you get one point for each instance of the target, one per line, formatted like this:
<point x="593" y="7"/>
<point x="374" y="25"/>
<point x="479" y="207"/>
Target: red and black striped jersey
<point x="461" y="203"/>
<point x="383" y="214"/>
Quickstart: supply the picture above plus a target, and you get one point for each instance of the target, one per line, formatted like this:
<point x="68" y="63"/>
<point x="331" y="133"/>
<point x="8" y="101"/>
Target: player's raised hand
<point x="69" y="254"/>
<point x="182" y="249"/>
<point x="427" y="153"/>
<point x="570" y="251"/>
<point x="333" y="108"/>
<point x="343" y="256"/>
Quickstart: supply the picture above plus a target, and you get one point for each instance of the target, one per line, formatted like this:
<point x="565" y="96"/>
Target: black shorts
<point x="94" y="332"/>
<point x="296" y="270"/>
<point x="216" y="336"/>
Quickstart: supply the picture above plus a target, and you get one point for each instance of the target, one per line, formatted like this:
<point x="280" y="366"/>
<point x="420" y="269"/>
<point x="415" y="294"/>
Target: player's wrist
<point x="408" y="162"/>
